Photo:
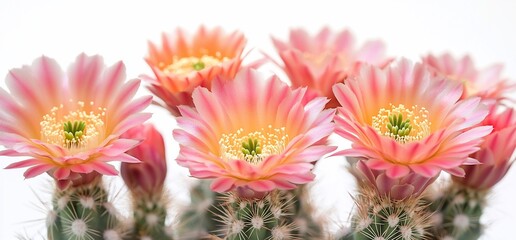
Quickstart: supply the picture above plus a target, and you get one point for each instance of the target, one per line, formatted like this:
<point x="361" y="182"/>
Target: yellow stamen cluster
<point x="254" y="146"/>
<point x="72" y="130"/>
<point x="402" y="124"/>
<point x="186" y="65"/>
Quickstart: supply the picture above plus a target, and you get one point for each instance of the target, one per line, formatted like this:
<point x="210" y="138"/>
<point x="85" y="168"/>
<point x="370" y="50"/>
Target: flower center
<point x="251" y="147"/>
<point x="186" y="65"/>
<point x="73" y="130"/>
<point x="402" y="124"/>
<point x="255" y="146"/>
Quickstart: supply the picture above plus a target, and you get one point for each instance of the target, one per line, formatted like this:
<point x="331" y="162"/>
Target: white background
<point x="118" y="30"/>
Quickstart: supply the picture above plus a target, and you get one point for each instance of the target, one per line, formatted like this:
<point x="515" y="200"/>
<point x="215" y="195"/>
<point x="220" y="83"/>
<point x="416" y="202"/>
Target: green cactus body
<point x="259" y="219"/>
<point x="200" y="218"/>
<point x="207" y="214"/>
<point x="458" y="211"/>
<point x="83" y="213"/>
<point x="302" y="215"/>
<point x="149" y="219"/>
<point x="380" y="218"/>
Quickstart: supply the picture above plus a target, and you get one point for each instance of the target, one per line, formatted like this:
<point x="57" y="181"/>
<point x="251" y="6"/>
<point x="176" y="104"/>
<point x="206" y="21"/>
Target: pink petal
<point x="124" y="94"/>
<point x="84" y="75"/>
<point x="425" y="170"/>
<point x="400" y="192"/>
<point x="397" y="171"/>
<point x="126" y="158"/>
<point x="104" y="168"/>
<point x="262" y="185"/>
<point x="62" y="173"/>
<point x="133" y="107"/>
<point x="459" y="172"/>
<point x="119" y="146"/>
<point x="222" y="184"/>
<point x="112" y="78"/>
<point x="130" y="122"/>
<point x="82" y="168"/>
<point x="284" y="185"/>
<point x="37" y="170"/>
<point x="24" y="163"/>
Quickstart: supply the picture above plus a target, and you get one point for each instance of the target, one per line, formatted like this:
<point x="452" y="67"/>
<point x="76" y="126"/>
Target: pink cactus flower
<point x="253" y="132"/>
<point x="147" y="177"/>
<point x="318" y="62"/>
<point x="409" y="186"/>
<point x="69" y="125"/>
<point x="185" y="62"/>
<point x="495" y="152"/>
<point x="487" y="83"/>
<point x="401" y="119"/>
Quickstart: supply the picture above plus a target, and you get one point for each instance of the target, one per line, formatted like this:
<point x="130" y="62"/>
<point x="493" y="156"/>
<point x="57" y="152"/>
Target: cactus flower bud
<point x="147" y="177"/>
<point x="495" y="152"/>
<point x="411" y="185"/>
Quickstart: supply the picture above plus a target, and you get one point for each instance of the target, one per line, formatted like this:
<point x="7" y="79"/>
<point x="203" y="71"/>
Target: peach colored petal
<point x="397" y="171"/>
<point x="119" y="146"/>
<point x="222" y="184"/>
<point x="173" y="88"/>
<point x="319" y="61"/>
<point x="62" y="173"/>
<point x="37" y="170"/>
<point x="486" y="83"/>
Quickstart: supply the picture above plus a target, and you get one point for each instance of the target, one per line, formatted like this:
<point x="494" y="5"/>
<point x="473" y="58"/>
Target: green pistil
<point x="251" y="147"/>
<point x="199" y="66"/>
<point x="398" y="127"/>
<point x="73" y="131"/>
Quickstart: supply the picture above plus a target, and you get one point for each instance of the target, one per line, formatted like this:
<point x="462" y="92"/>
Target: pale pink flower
<point x="184" y="62"/>
<point x="69" y="124"/>
<point x="253" y="132"/>
<point x="147" y="177"/>
<point x="496" y="152"/>
<point x="411" y="185"/>
<point x="486" y="83"/>
<point x="435" y="131"/>
<point x="320" y="61"/>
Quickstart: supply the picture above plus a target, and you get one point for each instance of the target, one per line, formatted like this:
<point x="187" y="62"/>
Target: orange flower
<point x="183" y="63"/>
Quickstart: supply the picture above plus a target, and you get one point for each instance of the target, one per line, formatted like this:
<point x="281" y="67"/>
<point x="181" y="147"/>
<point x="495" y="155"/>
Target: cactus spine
<point x="458" y="213"/>
<point x="257" y="219"/>
<point x="201" y="217"/>
<point x="381" y="218"/>
<point x="83" y="213"/>
<point x="303" y="215"/>
<point x="209" y="211"/>
<point x="149" y="219"/>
